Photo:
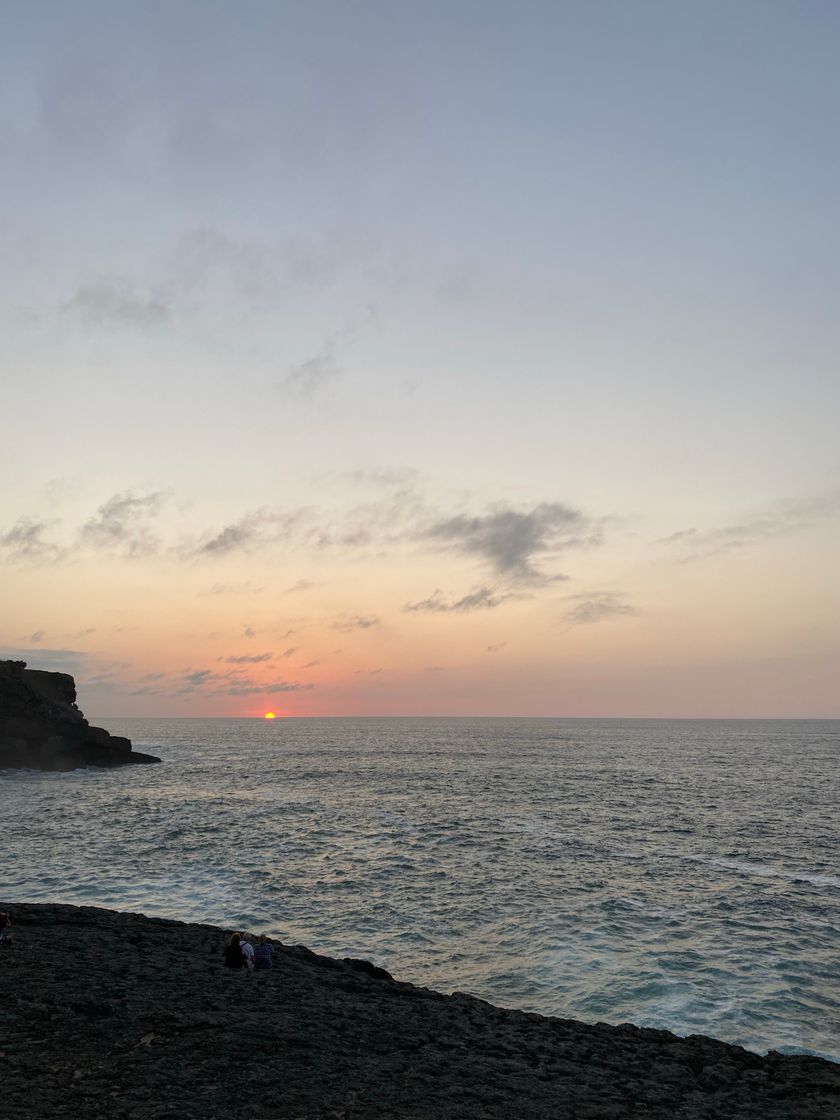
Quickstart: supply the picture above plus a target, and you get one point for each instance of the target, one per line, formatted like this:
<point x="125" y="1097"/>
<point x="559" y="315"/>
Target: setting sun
<point x="270" y="715"/>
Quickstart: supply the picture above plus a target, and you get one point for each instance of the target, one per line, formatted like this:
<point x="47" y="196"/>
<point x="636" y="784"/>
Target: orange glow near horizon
<point x="270" y="715"/>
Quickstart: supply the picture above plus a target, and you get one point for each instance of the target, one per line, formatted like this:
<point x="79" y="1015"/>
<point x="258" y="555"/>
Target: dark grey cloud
<point x="26" y="543"/>
<point x="233" y="683"/>
<point x="196" y="678"/>
<point x="595" y="606"/>
<point x="289" y="652"/>
<point x="356" y="622"/>
<point x="509" y="540"/>
<point x="121" y="525"/>
<point x="482" y="599"/>
<point x="116" y="302"/>
<point x="39" y="636"/>
<point x="245" y="658"/>
<point x="784" y="518"/>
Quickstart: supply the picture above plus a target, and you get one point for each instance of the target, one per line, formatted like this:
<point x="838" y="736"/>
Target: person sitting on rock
<point x="233" y="955"/>
<point x="6" y="929"/>
<point x="263" y="952"/>
<point x="247" y="950"/>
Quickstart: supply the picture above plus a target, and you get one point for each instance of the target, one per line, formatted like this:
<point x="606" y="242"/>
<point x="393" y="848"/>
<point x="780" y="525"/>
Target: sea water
<point x="675" y="874"/>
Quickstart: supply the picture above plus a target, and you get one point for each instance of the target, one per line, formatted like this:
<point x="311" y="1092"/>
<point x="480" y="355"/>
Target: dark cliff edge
<point x="124" y="1017"/>
<point x="41" y="728"/>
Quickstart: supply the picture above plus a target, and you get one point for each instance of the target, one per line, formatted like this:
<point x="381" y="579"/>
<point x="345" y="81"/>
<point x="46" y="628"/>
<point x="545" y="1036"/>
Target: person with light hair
<point x="247" y="950"/>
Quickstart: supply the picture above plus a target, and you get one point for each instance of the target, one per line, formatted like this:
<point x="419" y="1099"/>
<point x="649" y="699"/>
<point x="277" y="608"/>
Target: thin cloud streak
<point x="596" y="606"/>
<point x="783" y="519"/>
<point x="355" y="622"/>
<point x="483" y="598"/>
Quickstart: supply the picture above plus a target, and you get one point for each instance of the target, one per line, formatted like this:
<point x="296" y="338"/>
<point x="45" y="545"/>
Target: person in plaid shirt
<point x="263" y="953"/>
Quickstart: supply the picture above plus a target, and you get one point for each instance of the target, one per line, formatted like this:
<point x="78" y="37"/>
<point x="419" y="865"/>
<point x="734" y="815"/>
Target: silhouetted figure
<point x="6" y="929"/>
<point x="233" y="953"/>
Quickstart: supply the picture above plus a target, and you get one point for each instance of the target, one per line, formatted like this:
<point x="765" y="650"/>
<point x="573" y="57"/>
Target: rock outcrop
<point x="41" y="727"/>
<point x="112" y="1016"/>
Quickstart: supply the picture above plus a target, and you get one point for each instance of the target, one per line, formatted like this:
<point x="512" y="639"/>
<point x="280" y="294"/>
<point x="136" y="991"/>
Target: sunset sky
<point x="433" y="358"/>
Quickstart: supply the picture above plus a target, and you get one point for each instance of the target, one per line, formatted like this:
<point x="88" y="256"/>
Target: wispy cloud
<point x="385" y="521"/>
<point x="496" y="647"/>
<point x="253" y="530"/>
<point x="26" y="542"/>
<point x="595" y="606"/>
<point x="233" y="683"/>
<point x="482" y="599"/>
<point x="116" y="302"/>
<point x="305" y="379"/>
<point x="509" y="540"/>
<point x="246" y="658"/>
<point x="782" y="519"/>
<point x="58" y="660"/>
<point x="206" y="271"/>
<point x="120" y="524"/>
<point x="356" y="622"/>
<point x="246" y="588"/>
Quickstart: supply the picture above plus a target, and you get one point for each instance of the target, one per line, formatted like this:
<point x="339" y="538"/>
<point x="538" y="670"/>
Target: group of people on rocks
<point x="240" y="952"/>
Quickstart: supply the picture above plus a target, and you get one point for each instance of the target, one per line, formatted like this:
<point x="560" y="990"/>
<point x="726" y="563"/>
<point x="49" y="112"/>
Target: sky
<point x="445" y="358"/>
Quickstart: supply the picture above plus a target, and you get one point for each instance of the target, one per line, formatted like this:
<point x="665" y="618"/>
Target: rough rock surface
<point x="41" y="727"/>
<point x="131" y="1018"/>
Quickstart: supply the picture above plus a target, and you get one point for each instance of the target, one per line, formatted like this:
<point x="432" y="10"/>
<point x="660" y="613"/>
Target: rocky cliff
<point x="41" y="727"/>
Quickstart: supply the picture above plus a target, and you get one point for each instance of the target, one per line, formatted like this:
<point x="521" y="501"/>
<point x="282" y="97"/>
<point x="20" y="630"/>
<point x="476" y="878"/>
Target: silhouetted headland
<point x="41" y="728"/>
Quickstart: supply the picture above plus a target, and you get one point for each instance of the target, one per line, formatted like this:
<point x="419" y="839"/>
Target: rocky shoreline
<point x="120" y="1016"/>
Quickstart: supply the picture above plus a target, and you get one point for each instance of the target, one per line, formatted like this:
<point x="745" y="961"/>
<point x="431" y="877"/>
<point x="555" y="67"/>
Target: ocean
<point x="680" y="874"/>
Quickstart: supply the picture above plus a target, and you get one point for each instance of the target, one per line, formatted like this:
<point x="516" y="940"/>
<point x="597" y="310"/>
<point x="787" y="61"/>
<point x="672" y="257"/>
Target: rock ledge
<point x="112" y="1016"/>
